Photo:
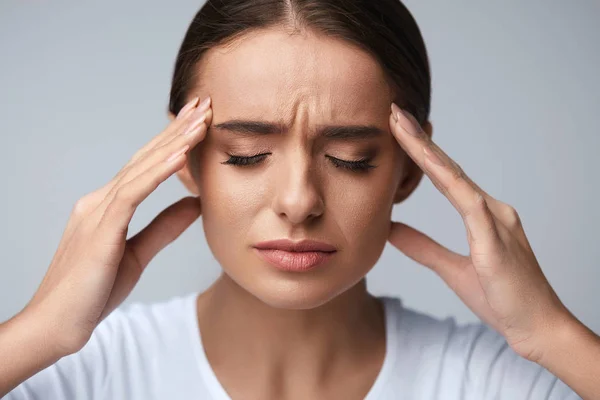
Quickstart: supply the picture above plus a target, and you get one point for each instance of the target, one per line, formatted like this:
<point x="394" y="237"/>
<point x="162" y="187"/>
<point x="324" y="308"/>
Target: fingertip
<point x="195" y="200"/>
<point x="395" y="123"/>
<point x="193" y="208"/>
<point x="186" y="110"/>
<point x="197" y="204"/>
<point x="395" y="224"/>
<point x="395" y="112"/>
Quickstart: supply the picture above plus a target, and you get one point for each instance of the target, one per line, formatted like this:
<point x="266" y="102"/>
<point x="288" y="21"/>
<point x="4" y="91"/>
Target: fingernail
<point x="433" y="157"/>
<point x="410" y="124"/>
<point x="187" y="108"/>
<point x="200" y="112"/>
<point x="395" y="111"/>
<point x="204" y="105"/>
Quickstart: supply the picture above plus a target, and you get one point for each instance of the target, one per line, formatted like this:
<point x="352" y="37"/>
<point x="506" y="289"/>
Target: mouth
<point x="294" y="261"/>
<point x="290" y="256"/>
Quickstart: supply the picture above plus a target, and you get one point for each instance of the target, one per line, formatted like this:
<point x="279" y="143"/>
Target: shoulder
<point x="141" y="321"/>
<point x="470" y="358"/>
<point x="131" y="336"/>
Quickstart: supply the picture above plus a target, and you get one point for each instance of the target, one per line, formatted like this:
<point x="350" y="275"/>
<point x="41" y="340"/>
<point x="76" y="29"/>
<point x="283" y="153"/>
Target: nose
<point x="298" y="194"/>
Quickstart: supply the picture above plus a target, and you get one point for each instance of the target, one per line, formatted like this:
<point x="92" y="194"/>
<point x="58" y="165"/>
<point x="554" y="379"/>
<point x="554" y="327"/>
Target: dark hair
<point x="384" y="28"/>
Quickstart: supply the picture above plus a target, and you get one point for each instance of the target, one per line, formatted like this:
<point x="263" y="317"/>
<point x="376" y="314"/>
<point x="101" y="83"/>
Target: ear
<point x="185" y="173"/>
<point x="412" y="173"/>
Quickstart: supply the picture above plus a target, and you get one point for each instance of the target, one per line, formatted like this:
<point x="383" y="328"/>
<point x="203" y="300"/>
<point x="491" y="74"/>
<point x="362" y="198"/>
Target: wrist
<point x="566" y="333"/>
<point x="36" y="332"/>
<point x="25" y="349"/>
<point x="571" y="353"/>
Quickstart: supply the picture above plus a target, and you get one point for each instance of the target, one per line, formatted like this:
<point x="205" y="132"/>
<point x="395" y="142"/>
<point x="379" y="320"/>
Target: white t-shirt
<point x="153" y="351"/>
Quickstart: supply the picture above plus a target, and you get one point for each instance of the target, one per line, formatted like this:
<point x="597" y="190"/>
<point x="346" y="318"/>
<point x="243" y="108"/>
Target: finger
<point x="80" y="209"/>
<point x="92" y="200"/>
<point x="165" y="228"/>
<point x="448" y="178"/>
<point x="502" y="213"/>
<point x="196" y="132"/>
<point x="172" y="128"/>
<point x="115" y="218"/>
<point x="188" y="120"/>
<point x="495" y="205"/>
<point x="181" y="122"/>
<point x="454" y="269"/>
<point x="424" y="250"/>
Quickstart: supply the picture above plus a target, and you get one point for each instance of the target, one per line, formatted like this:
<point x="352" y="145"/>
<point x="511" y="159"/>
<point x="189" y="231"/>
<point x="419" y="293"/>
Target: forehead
<point x="273" y="74"/>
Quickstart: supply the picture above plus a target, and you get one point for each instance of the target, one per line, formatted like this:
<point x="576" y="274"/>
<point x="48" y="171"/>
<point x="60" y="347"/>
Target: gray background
<point x="515" y="102"/>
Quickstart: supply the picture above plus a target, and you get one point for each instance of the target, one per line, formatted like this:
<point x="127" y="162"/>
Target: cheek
<point x="361" y="209"/>
<point x="363" y="212"/>
<point x="228" y="201"/>
<point x="364" y="204"/>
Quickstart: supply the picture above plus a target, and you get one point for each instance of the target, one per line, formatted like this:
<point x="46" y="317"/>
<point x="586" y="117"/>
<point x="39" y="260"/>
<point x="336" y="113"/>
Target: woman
<point x="285" y="138"/>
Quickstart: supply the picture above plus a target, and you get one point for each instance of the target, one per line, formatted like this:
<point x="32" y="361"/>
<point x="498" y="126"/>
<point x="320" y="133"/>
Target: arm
<point x="34" y="365"/>
<point x="95" y="266"/>
<point x="25" y="349"/>
<point x="500" y="279"/>
<point x="572" y="353"/>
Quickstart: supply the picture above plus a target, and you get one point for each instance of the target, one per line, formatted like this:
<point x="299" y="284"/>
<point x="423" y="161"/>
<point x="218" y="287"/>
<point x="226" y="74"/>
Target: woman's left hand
<point x="501" y="280"/>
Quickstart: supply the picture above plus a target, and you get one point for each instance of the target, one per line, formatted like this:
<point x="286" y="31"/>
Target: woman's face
<point x="300" y="84"/>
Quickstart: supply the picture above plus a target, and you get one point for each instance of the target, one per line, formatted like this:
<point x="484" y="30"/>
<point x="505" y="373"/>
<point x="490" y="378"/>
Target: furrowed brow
<point x="259" y="128"/>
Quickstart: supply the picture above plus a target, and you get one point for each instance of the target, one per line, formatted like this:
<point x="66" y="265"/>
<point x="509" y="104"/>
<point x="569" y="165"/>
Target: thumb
<point x="422" y="249"/>
<point x="164" y="229"/>
<point x="142" y="247"/>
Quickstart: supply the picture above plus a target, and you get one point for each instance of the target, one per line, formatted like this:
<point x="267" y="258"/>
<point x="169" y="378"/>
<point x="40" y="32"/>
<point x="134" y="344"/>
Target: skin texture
<point x="301" y="332"/>
<point x="273" y="335"/>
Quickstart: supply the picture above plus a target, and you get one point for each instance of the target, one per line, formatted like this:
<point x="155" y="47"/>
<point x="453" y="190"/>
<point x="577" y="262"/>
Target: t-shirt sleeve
<point x="80" y="375"/>
<point x="494" y="371"/>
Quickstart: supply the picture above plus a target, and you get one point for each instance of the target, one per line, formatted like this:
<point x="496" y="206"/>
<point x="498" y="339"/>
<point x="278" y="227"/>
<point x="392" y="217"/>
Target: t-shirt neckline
<point x="217" y="391"/>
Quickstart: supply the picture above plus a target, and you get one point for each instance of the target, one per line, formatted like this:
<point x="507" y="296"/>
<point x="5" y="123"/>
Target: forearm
<point x="572" y="353"/>
<point x="25" y="349"/>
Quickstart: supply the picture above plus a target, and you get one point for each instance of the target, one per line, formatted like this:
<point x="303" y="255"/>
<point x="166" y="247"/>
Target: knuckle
<point x="454" y="182"/>
<point x="478" y="207"/>
<point x="82" y="205"/>
<point x="123" y="172"/>
<point x="136" y="156"/>
<point x="123" y="195"/>
<point x="458" y="174"/>
<point x="511" y="216"/>
<point x="479" y="202"/>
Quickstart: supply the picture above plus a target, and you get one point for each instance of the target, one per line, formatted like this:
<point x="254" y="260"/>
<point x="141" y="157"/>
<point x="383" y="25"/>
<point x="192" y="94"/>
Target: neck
<point x="307" y="346"/>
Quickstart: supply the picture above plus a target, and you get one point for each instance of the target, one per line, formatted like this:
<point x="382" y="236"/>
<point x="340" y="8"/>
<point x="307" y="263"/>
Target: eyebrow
<point x="258" y="128"/>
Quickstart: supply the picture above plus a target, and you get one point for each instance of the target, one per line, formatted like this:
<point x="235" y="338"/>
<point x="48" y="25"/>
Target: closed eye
<point x="243" y="161"/>
<point x="361" y="165"/>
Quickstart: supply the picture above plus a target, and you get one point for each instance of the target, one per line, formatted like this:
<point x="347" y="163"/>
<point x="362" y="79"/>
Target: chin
<point x="294" y="299"/>
<point x="296" y="291"/>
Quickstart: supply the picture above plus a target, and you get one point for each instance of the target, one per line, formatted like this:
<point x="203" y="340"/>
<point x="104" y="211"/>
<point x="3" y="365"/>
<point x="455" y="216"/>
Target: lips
<point x="301" y="246"/>
<point x="295" y="256"/>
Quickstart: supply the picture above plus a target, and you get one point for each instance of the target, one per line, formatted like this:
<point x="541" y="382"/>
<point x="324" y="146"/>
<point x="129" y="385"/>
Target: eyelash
<point x="361" y="165"/>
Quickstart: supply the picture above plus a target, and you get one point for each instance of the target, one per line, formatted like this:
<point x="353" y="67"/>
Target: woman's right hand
<point x="96" y="267"/>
